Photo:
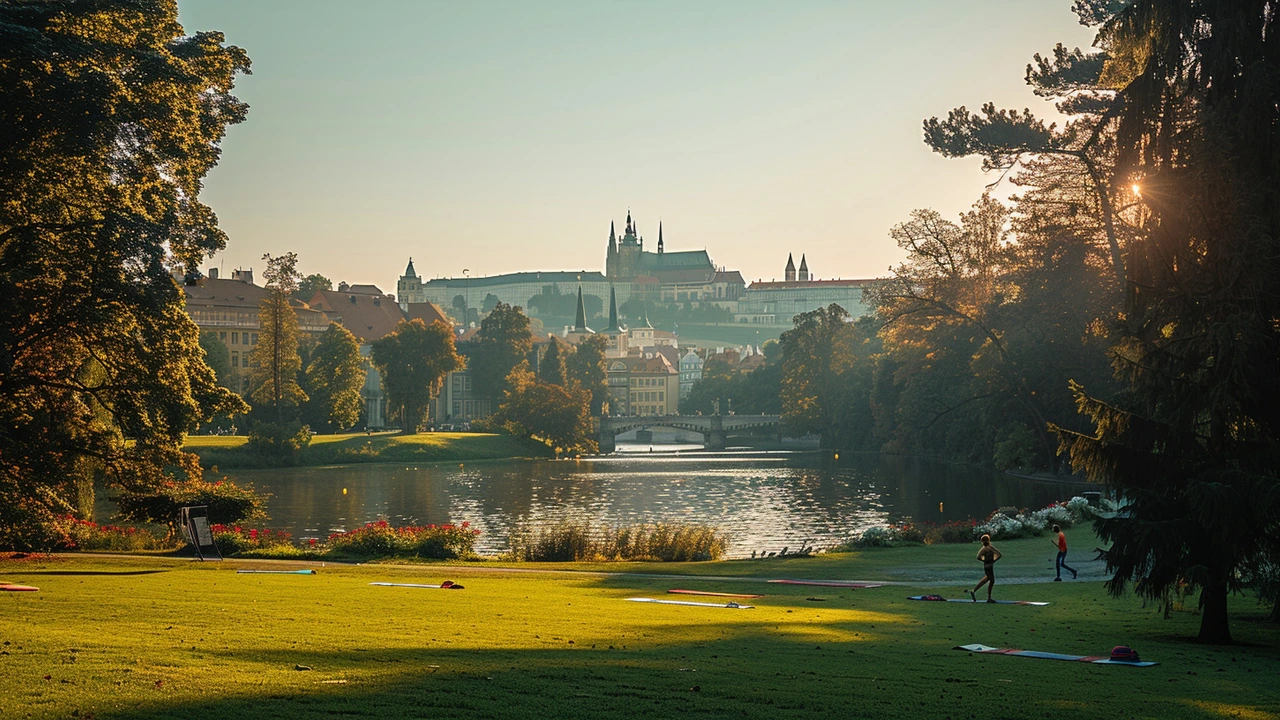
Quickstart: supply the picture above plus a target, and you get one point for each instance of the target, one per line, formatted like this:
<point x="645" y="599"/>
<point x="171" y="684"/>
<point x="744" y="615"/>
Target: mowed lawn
<point x="150" y="638"/>
<point x="228" y="451"/>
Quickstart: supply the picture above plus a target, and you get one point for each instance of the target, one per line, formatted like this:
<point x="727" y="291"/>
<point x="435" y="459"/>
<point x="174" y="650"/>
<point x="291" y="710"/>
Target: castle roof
<point x="518" y="278"/>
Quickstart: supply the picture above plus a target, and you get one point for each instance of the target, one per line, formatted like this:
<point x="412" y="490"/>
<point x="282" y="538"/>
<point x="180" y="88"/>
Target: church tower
<point x="789" y="275"/>
<point x="611" y="255"/>
<point x="630" y="245"/>
<point x="804" y="269"/>
<point x="659" y="237"/>
<point x="409" y="288"/>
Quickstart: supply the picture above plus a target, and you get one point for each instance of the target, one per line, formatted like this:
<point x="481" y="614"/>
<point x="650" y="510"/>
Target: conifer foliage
<point x="110" y="117"/>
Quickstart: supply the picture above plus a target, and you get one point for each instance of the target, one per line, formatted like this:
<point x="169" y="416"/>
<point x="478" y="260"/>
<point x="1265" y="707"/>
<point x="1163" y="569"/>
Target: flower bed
<point x="89" y="535"/>
<point x="236" y="540"/>
<point x="999" y="525"/>
<point x="380" y="539"/>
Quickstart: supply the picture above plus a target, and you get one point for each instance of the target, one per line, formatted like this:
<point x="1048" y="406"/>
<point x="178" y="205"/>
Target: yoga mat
<point x="1094" y="659"/>
<point x="729" y="605"/>
<point x="18" y="588"/>
<point x="713" y="594"/>
<point x="827" y="583"/>
<point x="980" y="602"/>
<point x="417" y="585"/>
<point x="275" y="572"/>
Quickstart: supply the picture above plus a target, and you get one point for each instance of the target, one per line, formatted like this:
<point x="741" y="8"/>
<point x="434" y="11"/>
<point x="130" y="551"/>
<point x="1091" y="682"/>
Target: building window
<point x="457" y="406"/>
<point x="222" y="336"/>
<point x="235" y="338"/>
<point x="235" y="359"/>
<point x="255" y="338"/>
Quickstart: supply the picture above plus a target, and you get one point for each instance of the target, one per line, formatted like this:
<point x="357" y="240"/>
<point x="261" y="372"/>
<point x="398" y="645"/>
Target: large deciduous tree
<point x="111" y="116"/>
<point x="1193" y="443"/>
<point x="334" y="376"/>
<point x="502" y="343"/>
<point x="585" y="366"/>
<point x="414" y="359"/>
<point x="554" y="414"/>
<point x="275" y="362"/>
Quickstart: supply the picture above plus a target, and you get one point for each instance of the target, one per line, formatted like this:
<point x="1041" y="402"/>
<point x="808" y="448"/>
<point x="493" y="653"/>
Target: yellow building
<point x="643" y="385"/>
<point x="229" y="309"/>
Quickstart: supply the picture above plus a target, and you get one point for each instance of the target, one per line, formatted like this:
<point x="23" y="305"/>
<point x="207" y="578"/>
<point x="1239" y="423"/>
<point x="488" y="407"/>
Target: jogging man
<point x="988" y="555"/>
<point x="1062" y="555"/>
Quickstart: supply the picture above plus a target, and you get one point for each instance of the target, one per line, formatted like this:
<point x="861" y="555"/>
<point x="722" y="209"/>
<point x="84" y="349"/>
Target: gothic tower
<point x="789" y="275"/>
<point x="804" y="269"/>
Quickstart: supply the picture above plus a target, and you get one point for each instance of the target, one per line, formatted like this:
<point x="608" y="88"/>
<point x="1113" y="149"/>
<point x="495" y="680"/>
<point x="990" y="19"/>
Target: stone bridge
<point x="715" y="429"/>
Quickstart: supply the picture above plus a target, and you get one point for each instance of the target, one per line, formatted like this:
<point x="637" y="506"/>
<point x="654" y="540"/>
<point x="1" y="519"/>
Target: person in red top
<point x="1061" y="542"/>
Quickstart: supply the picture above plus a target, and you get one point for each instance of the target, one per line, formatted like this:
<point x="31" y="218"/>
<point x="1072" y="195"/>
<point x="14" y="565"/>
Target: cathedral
<point x="666" y="276"/>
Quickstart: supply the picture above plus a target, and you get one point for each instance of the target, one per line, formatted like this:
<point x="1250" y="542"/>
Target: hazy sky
<point x="503" y="136"/>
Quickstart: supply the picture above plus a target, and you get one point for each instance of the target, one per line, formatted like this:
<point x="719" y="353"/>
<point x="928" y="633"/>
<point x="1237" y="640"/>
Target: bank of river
<point x="764" y="500"/>
<point x="231" y="452"/>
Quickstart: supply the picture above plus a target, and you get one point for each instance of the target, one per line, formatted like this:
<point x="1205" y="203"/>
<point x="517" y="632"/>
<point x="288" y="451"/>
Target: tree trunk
<point x="1213" y="611"/>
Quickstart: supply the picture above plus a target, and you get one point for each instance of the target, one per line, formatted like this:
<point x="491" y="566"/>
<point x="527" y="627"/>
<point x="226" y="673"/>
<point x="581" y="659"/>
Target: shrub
<point x="956" y="531"/>
<point x="380" y="539"/>
<point x="227" y="502"/>
<point x="574" y="541"/>
<point x="235" y="540"/>
<point x="88" y="535"/>
<point x="278" y="443"/>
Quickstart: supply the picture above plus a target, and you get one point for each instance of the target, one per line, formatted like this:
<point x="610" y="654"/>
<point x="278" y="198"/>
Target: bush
<point x="576" y="541"/>
<point x="88" y="535"/>
<point x="380" y="539"/>
<point x="955" y="532"/>
<point x="278" y="444"/>
<point x="1034" y="524"/>
<point x="228" y="503"/>
<point x="235" y="540"/>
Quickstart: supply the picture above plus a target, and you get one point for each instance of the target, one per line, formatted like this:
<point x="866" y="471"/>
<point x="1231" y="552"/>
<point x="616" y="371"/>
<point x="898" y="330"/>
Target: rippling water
<point x="764" y="501"/>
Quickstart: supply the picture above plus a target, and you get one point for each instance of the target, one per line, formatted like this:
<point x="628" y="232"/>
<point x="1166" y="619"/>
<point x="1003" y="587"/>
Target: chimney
<point x="342" y="287"/>
<point x="213" y="273"/>
<point x="244" y="276"/>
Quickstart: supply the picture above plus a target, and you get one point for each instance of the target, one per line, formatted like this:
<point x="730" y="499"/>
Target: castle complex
<point x="630" y="272"/>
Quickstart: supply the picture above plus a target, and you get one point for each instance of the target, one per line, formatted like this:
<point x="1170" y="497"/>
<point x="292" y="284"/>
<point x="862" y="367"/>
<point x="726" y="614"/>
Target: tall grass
<point x="580" y="540"/>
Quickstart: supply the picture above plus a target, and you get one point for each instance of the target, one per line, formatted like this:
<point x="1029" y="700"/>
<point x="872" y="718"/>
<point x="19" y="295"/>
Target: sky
<point x="493" y="137"/>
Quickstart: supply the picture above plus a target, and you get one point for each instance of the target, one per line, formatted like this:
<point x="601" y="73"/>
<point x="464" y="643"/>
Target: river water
<point x="764" y="501"/>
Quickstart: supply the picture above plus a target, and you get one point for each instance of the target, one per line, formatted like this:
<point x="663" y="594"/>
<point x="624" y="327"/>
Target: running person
<point x="988" y="555"/>
<point x="1061" y="542"/>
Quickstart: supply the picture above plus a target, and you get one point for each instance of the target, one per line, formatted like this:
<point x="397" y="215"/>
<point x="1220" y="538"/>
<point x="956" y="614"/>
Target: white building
<point x="690" y="372"/>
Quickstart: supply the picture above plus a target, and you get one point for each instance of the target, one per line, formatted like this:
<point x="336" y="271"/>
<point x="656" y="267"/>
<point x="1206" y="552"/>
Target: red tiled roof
<point x="428" y="313"/>
<point x="368" y="317"/>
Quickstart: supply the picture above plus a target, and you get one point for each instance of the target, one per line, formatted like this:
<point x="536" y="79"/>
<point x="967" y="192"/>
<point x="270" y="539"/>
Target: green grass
<point x="153" y="638"/>
<point x="228" y="451"/>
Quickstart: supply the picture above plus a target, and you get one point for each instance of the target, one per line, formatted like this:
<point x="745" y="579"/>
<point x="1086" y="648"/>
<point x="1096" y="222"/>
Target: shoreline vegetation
<point x="173" y="637"/>
<point x="232" y="452"/>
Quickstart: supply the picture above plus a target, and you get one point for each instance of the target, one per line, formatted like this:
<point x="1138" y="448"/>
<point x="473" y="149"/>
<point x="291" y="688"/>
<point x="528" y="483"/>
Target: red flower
<point x="313" y="542"/>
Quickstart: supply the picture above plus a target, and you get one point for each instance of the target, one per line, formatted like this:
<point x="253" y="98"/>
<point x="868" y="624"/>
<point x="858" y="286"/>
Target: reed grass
<point x="582" y="540"/>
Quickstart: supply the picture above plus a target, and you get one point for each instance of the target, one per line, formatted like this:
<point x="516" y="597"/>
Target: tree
<point x="586" y="367"/>
<point x="275" y="363"/>
<point x="817" y="356"/>
<point x="489" y="303"/>
<point x="502" y="343"/>
<point x="111" y="118"/>
<point x="310" y="285"/>
<point x="217" y="357"/>
<point x="554" y="414"/>
<point x="551" y="369"/>
<point x="414" y="360"/>
<point x="335" y="375"/>
<point x="1193" y="442"/>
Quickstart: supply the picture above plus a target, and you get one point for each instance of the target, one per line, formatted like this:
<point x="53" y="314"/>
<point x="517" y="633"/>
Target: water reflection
<point x="765" y="501"/>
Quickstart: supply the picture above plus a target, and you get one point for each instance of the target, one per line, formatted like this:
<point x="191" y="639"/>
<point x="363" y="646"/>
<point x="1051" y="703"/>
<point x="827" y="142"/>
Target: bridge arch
<point x="713" y="428"/>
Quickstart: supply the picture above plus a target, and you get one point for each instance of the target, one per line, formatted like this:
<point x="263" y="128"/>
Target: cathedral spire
<point x="613" y="312"/>
<point x="612" y="235"/>
<point x="659" y="237"/>
<point x="580" y="319"/>
<point x="804" y="269"/>
<point x="630" y="230"/>
<point x="789" y="275"/>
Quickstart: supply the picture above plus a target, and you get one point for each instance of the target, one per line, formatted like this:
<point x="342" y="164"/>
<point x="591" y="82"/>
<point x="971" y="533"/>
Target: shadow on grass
<point x="93" y="572"/>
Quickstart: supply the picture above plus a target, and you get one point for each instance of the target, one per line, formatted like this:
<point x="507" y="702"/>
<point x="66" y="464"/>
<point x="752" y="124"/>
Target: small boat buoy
<point x="344" y="491"/>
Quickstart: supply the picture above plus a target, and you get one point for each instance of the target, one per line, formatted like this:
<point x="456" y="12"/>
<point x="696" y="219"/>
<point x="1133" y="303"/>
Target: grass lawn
<point x="226" y="451"/>
<point x="151" y="638"/>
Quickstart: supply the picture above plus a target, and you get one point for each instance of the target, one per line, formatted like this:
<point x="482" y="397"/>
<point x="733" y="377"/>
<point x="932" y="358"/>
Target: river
<point x="764" y="501"/>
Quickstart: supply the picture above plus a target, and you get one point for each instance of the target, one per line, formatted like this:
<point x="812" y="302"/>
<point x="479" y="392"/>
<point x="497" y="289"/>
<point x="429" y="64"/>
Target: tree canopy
<point x="111" y="118"/>
<point x="334" y="376"/>
<point x="414" y="360"/>
<point x="503" y="342"/>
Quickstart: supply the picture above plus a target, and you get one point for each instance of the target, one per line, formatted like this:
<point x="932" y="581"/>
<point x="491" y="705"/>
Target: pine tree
<point x="552" y="369"/>
<point x="275" y="362"/>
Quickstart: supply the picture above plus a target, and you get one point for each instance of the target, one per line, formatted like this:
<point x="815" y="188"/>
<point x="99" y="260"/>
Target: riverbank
<point x="231" y="451"/>
<point x="155" y="638"/>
